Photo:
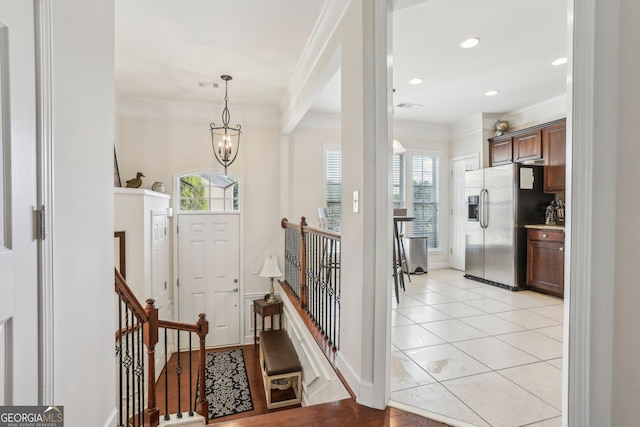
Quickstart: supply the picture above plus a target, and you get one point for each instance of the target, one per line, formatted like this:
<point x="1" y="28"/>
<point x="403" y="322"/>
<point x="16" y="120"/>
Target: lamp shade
<point x="397" y="147"/>
<point x="270" y="267"/>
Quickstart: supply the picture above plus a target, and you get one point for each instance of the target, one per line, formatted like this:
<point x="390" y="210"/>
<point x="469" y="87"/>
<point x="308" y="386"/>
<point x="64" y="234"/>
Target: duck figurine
<point x="135" y="182"/>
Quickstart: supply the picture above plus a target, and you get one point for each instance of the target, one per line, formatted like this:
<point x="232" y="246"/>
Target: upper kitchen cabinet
<point x="554" y="152"/>
<point x="500" y="150"/>
<point x="542" y="142"/>
<point x="527" y="146"/>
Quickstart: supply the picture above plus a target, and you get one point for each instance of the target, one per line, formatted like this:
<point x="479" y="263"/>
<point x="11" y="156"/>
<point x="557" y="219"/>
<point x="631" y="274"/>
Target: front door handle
<point x="234" y="290"/>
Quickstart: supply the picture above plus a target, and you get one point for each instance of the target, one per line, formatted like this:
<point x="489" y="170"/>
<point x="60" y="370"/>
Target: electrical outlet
<point x="255" y="269"/>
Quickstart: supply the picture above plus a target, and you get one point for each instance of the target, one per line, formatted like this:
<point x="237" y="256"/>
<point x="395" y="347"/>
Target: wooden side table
<point x="264" y="309"/>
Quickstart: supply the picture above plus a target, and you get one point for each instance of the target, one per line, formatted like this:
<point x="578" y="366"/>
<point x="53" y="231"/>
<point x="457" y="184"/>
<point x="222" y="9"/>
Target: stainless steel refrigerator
<point x="500" y="201"/>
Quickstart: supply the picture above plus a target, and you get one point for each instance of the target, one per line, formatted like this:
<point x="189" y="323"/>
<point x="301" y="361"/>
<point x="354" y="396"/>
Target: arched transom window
<point x="208" y="192"/>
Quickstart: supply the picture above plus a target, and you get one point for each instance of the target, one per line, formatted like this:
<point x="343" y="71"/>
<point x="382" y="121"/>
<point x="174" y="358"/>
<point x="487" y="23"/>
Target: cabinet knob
<point x="561" y="249"/>
<point x="544" y="235"/>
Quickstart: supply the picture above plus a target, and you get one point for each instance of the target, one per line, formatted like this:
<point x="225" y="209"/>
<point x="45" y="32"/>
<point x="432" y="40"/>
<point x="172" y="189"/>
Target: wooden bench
<point x="279" y="361"/>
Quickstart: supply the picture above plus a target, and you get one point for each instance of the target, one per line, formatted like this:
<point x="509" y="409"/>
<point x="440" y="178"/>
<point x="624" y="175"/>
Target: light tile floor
<point x="476" y="353"/>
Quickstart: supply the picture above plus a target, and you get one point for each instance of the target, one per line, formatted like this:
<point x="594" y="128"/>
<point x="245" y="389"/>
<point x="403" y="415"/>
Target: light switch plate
<point x="356" y="201"/>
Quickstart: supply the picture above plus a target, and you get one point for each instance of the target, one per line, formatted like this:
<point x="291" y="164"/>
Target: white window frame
<point x="326" y="149"/>
<point x="178" y="201"/>
<point x="409" y="156"/>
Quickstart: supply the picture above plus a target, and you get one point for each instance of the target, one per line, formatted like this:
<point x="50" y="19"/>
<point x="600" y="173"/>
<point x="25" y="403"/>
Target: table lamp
<point x="270" y="269"/>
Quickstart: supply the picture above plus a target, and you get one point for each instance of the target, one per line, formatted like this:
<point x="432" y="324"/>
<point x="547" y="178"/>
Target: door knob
<point x="235" y="280"/>
<point x="234" y="290"/>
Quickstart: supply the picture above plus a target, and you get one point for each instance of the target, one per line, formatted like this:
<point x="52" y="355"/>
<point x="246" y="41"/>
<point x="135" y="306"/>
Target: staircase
<point x="138" y="333"/>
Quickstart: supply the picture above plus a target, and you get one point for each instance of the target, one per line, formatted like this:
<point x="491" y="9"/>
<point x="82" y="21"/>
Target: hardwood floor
<point x="343" y="412"/>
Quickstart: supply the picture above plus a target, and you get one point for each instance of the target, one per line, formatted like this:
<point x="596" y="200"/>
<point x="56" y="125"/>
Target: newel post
<point x="150" y="340"/>
<point x="303" y="263"/>
<point x="203" y="330"/>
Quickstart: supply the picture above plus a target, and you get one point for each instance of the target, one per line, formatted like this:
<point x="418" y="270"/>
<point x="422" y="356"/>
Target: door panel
<point x="159" y="277"/>
<point x="459" y="209"/>
<point x="19" y="353"/>
<point x="209" y="268"/>
<point x="499" y="237"/>
<point x="474" y="234"/>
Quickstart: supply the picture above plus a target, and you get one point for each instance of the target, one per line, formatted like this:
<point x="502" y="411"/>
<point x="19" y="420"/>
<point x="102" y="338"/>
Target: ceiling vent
<point x="409" y="105"/>
<point x="209" y="84"/>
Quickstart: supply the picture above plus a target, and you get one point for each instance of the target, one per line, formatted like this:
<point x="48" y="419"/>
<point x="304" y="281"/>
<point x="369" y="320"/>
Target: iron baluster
<point x="179" y="374"/>
<point x="166" y="379"/>
<point x="120" y="360"/>
<point x="190" y="378"/>
<point x="127" y="361"/>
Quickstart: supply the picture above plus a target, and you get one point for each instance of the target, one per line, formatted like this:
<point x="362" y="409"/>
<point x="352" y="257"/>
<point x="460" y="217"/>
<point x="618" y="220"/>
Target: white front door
<point x="209" y="274"/>
<point x="18" y="247"/>
<point x="459" y="208"/>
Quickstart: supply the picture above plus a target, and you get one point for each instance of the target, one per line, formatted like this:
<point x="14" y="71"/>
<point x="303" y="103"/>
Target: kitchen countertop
<point x="545" y="227"/>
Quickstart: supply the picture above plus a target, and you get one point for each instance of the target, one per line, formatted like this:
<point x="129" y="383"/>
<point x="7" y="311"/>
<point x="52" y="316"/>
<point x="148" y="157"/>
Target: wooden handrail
<point x="128" y="296"/>
<point x="284" y="223"/>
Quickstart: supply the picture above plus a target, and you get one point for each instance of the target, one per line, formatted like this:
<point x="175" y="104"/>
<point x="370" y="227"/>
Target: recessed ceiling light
<point x="469" y="43"/>
<point x="415" y="81"/>
<point x="492" y="93"/>
<point x="559" y="61"/>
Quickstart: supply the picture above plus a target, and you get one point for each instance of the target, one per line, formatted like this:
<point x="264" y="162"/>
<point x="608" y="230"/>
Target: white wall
<point x="306" y="186"/>
<point x="160" y="147"/>
<point x="83" y="135"/>
<point x="626" y="346"/>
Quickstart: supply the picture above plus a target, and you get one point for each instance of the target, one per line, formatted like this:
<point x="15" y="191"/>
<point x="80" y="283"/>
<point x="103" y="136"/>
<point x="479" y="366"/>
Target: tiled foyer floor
<point x="476" y="353"/>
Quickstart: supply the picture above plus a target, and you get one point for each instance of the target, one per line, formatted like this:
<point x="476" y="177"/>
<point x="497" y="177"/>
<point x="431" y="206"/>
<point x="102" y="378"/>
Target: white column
<point x="366" y="169"/>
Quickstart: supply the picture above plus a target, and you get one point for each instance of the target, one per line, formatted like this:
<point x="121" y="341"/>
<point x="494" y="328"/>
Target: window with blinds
<point x="426" y="198"/>
<point x="333" y="188"/>
<point x="399" y="174"/>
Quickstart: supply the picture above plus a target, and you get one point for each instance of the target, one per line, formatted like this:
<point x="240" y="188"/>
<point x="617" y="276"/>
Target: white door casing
<point x="459" y="207"/>
<point x="159" y="276"/>
<point x="208" y="274"/>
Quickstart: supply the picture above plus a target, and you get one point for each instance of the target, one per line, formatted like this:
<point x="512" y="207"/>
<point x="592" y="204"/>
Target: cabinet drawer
<point x="546" y="235"/>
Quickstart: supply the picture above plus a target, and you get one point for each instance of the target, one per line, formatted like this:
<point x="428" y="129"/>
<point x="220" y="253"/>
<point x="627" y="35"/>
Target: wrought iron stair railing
<point x="137" y="335"/>
<point x="312" y="258"/>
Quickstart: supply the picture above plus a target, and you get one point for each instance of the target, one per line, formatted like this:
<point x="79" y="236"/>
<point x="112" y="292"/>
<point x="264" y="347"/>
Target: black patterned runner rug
<point x="226" y="383"/>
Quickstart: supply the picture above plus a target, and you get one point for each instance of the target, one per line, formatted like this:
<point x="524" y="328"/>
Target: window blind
<point x="426" y="198"/>
<point x="399" y="180"/>
<point x="333" y="188"/>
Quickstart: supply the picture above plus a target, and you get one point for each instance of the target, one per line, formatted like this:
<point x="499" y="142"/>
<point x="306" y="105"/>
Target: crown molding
<point x="326" y="25"/>
<point x="146" y="108"/>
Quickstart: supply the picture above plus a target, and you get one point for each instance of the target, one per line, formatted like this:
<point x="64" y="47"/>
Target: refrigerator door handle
<point x="485" y="202"/>
<point x="482" y="208"/>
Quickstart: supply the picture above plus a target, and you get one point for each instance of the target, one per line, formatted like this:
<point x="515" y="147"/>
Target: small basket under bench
<point x="280" y="367"/>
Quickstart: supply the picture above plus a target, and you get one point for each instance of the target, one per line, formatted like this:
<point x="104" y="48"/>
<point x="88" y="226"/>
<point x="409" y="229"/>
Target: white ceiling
<point x="164" y="49"/>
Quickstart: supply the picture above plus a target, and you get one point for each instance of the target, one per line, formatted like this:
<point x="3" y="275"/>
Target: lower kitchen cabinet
<point x="545" y="261"/>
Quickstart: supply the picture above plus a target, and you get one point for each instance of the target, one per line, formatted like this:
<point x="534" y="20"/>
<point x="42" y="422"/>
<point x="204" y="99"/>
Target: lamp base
<point x="272" y="298"/>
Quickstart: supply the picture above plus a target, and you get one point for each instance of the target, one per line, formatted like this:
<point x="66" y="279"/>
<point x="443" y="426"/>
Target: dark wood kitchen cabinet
<point x="542" y="142"/>
<point x="500" y="151"/>
<point x="545" y="261"/>
<point x="527" y="146"/>
<point x="554" y="149"/>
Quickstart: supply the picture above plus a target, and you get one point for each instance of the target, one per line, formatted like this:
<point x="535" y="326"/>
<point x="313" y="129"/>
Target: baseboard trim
<point x="111" y="419"/>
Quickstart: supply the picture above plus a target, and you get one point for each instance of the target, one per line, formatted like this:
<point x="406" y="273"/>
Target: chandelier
<point x="225" y="140"/>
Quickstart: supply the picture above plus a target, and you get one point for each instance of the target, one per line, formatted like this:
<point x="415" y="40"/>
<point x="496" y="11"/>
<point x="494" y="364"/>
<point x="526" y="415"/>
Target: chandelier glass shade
<point x="225" y="140"/>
